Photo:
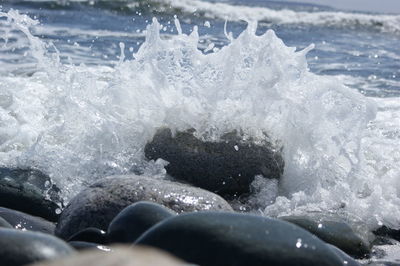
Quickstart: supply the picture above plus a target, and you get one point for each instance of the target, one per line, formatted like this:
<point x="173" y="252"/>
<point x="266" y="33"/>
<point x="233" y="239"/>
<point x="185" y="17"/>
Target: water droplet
<point x="298" y="244"/>
<point x="58" y="211"/>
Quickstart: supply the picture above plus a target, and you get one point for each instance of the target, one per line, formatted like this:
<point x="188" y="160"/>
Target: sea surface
<point x="85" y="84"/>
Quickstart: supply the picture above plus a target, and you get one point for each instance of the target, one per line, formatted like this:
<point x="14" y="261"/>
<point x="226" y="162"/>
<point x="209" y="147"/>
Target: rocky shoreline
<point x="142" y="220"/>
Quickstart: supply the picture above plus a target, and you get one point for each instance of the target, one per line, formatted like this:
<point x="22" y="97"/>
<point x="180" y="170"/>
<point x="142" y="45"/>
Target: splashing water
<point x="80" y="123"/>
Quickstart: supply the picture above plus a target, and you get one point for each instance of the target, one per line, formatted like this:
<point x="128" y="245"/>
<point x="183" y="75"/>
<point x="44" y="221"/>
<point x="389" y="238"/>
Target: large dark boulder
<point x="29" y="191"/>
<point x="209" y="238"/>
<point x="226" y="167"/>
<point x="23" y="221"/>
<point x="134" y="220"/>
<point x="24" y="247"/>
<point x="355" y="239"/>
<point x="98" y="204"/>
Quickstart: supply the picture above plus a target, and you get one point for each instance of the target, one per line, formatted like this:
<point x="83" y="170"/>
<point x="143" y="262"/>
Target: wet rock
<point x="355" y="240"/>
<point x="23" y="247"/>
<point x="120" y="256"/>
<point x="210" y="238"/>
<point x="134" y="220"/>
<point x="98" y="204"/>
<point x="385" y="231"/>
<point x="4" y="223"/>
<point x="346" y="259"/>
<point x="29" y="191"/>
<point x="23" y="221"/>
<point x="91" y="234"/>
<point x="82" y="245"/>
<point x="227" y="167"/>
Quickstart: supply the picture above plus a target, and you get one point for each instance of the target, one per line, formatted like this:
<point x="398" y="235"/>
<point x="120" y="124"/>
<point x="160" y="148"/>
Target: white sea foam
<point x="386" y="23"/>
<point x="79" y="123"/>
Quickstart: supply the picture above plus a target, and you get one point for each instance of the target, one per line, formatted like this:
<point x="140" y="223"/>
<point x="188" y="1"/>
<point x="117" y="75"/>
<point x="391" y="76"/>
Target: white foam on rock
<point x="80" y="123"/>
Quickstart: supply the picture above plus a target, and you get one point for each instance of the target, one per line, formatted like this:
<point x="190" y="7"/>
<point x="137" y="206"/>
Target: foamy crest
<point x="386" y="23"/>
<point x="79" y="123"/>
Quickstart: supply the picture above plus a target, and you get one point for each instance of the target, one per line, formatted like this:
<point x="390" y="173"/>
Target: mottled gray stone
<point x="98" y="204"/>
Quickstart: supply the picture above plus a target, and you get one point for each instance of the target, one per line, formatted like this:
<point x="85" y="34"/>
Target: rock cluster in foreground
<point x="180" y="223"/>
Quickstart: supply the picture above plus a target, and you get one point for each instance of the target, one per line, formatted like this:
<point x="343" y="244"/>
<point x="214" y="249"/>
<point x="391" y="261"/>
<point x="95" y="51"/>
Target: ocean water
<point x="85" y="84"/>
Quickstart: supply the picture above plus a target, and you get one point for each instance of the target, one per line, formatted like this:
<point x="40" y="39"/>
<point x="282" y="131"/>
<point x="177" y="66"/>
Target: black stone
<point x="23" y="221"/>
<point x="24" y="247"/>
<point x="354" y="240"/>
<point x="98" y="204"/>
<point x="227" y="167"/>
<point x="134" y="220"/>
<point x="29" y="191"/>
<point x="385" y="231"/>
<point x="209" y="238"/>
<point x="4" y="223"/>
<point x="91" y="234"/>
<point x="346" y="259"/>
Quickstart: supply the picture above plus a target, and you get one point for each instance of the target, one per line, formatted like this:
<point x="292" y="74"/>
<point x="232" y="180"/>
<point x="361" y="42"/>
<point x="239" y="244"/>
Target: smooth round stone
<point x="91" y="234"/>
<point x="4" y="223"/>
<point x="120" y="256"/>
<point x="346" y="259"/>
<point x="209" y="238"/>
<point x="134" y="220"/>
<point x="29" y="191"/>
<point x="354" y="240"/>
<point x="82" y="245"/>
<point x="99" y="203"/>
<point x="24" y="247"/>
<point x="226" y="167"/>
<point x="23" y="221"/>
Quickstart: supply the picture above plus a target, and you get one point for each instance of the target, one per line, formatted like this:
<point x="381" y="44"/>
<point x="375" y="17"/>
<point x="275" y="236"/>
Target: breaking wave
<point x="79" y="123"/>
<point x="220" y="10"/>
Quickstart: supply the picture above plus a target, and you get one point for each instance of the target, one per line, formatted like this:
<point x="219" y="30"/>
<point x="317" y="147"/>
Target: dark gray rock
<point x="385" y="231"/>
<point x="98" y="204"/>
<point x="134" y="220"/>
<point x="24" y="247"/>
<point x="209" y="238"/>
<point x="355" y="240"/>
<point x="23" y="221"/>
<point x="346" y="259"/>
<point x="82" y="245"/>
<point x="29" y="191"/>
<point x="4" y="223"/>
<point x="91" y="234"/>
<point x="227" y="167"/>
